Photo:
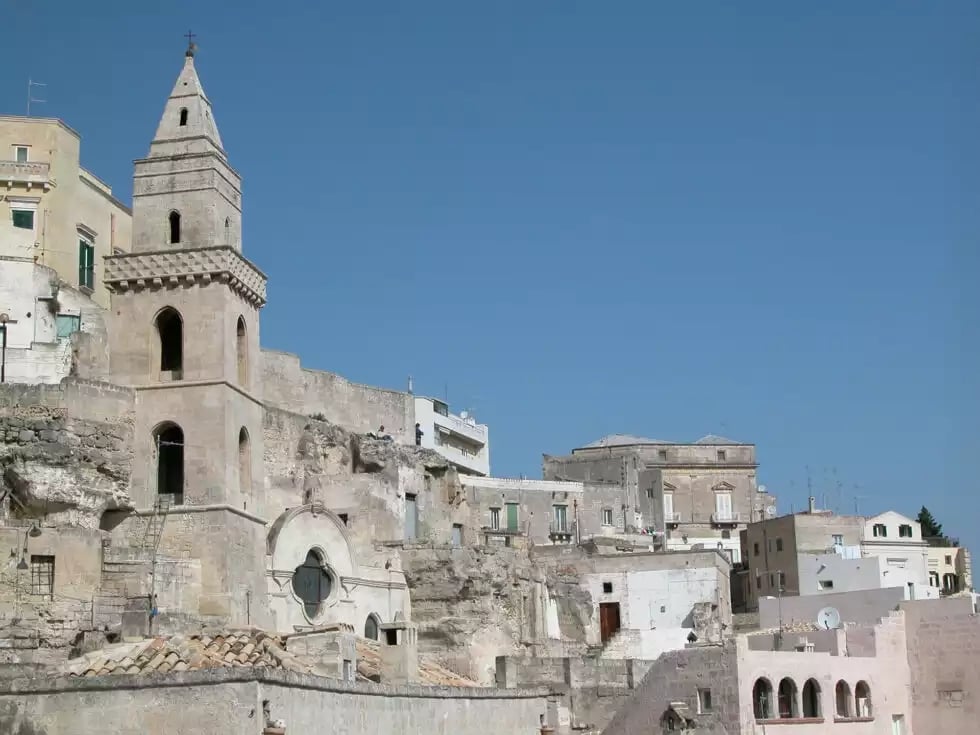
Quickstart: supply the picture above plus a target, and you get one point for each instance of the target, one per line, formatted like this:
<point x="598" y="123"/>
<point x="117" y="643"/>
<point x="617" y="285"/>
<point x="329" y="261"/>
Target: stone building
<point x="950" y="569"/>
<point x="696" y="495"/>
<point x="57" y="223"/>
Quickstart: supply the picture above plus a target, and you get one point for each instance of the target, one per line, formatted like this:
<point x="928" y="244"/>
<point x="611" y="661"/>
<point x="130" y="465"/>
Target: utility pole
<point x="779" y="608"/>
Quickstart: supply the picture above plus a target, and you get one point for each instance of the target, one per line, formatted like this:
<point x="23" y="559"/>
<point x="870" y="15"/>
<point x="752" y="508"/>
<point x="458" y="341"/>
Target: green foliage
<point x="930" y="527"/>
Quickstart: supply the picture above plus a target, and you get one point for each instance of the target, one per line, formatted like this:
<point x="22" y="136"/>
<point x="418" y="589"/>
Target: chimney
<point x="813" y="504"/>
<point x="399" y="653"/>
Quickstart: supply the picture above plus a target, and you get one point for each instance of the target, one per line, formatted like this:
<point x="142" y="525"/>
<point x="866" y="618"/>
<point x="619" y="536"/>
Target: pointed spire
<point x="187" y="125"/>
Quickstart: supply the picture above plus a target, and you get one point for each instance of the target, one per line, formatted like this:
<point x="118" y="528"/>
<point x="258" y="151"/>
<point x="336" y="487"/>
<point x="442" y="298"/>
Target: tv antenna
<point x="30" y="94"/>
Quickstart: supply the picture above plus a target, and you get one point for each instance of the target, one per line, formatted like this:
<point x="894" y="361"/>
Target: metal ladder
<point x="154" y="527"/>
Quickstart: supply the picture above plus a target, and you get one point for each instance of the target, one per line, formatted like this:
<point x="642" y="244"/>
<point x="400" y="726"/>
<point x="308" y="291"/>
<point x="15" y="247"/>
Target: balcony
<point x="672" y="519"/>
<point x="31" y="173"/>
<point x="727" y="518"/>
<point x="560" y="533"/>
<point x="474" y="432"/>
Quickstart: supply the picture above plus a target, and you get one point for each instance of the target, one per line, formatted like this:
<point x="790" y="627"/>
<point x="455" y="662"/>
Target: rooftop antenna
<point x="30" y="94"/>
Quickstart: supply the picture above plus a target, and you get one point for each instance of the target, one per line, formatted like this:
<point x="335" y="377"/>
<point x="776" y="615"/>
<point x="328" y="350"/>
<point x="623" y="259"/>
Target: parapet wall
<point x="229" y="702"/>
<point x="359" y="408"/>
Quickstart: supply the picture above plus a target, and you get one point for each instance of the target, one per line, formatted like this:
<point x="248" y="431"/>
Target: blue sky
<point x="758" y="220"/>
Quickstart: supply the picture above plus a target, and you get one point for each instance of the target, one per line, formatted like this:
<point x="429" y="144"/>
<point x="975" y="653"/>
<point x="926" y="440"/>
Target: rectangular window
<point x="721" y="455"/>
<point x="561" y="518"/>
<point x="838" y="539"/>
<point x="905" y="531"/>
<point x="21" y="153"/>
<point x="607" y="588"/>
<point x="42" y="575"/>
<point x="68" y="324"/>
<point x="723" y="506"/>
<point x="769" y="545"/>
<point x="607" y="517"/>
<point x="779" y="544"/>
<point x="782" y="580"/>
<point x="755" y="549"/>
<point x="663" y="455"/>
<point x="411" y="517"/>
<point x="826" y="584"/>
<point x="23" y="219"/>
<point x="86" y="264"/>
<point x="511" y="516"/>
<point x="495" y="519"/>
<point x="457" y="534"/>
<point x="879" y="530"/>
<point x="668" y="507"/>
<point x="758" y="583"/>
<point x="949" y="560"/>
<point x="704" y="701"/>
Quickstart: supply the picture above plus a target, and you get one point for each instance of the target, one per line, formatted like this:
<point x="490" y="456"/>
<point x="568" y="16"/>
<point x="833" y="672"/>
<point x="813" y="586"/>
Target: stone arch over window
<point x="313" y="583"/>
<point x="241" y="351"/>
<point x="244" y="463"/>
<point x="372" y="627"/>
<point x="168" y="449"/>
<point x="170" y="330"/>
<point x="842" y="699"/>
<point x="183" y="116"/>
<point x="762" y="699"/>
<point x="811" y="698"/>
<point x="788" y="707"/>
<point x="862" y="699"/>
<point x="174" y="220"/>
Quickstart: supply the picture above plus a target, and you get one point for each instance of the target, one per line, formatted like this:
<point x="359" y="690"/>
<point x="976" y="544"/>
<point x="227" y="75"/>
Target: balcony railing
<point x="28" y="172"/>
<point x="725" y="517"/>
<point x="474" y="432"/>
<point x="672" y="518"/>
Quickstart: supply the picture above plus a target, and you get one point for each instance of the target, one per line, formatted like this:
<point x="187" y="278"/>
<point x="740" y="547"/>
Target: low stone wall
<point x="863" y="606"/>
<point x="230" y="702"/>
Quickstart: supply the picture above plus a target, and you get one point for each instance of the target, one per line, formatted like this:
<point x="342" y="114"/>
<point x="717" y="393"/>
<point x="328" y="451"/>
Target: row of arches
<point x="169" y="327"/>
<point x="168" y="441"/>
<point x="174" y="222"/>
<point x="788" y="704"/>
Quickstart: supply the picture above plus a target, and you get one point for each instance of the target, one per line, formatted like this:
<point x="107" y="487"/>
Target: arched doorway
<point x="168" y="440"/>
<point x="170" y="331"/>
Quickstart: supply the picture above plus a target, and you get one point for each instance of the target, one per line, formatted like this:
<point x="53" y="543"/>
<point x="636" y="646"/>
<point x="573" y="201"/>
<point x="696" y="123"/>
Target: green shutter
<point x="511" y="516"/>
<point x="86" y="264"/>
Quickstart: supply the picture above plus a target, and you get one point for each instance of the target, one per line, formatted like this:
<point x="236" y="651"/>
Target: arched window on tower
<point x="170" y="329"/>
<point x="372" y="631"/>
<point x="241" y="351"/>
<point x="174" y="227"/>
<point x="183" y="116"/>
<point x="168" y="440"/>
<point x="244" y="465"/>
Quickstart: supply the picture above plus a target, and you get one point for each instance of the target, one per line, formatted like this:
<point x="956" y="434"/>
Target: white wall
<point x="847" y="575"/>
<point x="426" y="416"/>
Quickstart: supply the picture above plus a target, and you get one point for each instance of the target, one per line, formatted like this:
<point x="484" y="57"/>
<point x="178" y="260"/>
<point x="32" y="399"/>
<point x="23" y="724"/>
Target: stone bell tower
<point x="185" y="336"/>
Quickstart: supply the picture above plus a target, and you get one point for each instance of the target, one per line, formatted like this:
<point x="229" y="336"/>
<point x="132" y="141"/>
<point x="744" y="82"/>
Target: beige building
<point x="695" y="496"/>
<point x="950" y="569"/>
<point x="55" y="213"/>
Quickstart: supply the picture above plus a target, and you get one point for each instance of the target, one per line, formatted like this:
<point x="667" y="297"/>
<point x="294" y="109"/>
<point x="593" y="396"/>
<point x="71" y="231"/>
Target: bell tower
<point x="184" y="335"/>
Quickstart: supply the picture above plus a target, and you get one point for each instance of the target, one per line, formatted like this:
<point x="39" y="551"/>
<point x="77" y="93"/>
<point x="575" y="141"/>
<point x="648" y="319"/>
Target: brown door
<point x="608" y="620"/>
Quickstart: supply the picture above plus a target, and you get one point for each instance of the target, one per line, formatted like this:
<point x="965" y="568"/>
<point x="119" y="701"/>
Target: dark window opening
<point x="905" y="531"/>
<point x="241" y="351"/>
<point x="755" y="549"/>
<point x="312" y="584"/>
<point x="170" y="463"/>
<point x="842" y="697"/>
<point x="811" y="699"/>
<point x="86" y="264"/>
<point x="343" y="518"/>
<point x="171" y="331"/>
<point x="779" y="544"/>
<point x="174" y="228"/>
<point x="371" y="629"/>
<point x="23" y="219"/>
<point x="42" y="575"/>
<point x="183" y="116"/>
<point x="862" y="700"/>
<point x="607" y="587"/>
<point x="244" y="463"/>
<point x="726" y="534"/>
<point x="762" y="699"/>
<point x="787" y="699"/>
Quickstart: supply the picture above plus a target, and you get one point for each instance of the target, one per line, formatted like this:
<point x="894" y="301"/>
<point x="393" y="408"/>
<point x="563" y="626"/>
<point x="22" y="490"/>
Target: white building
<point x="460" y="439"/>
<point x="903" y="557"/>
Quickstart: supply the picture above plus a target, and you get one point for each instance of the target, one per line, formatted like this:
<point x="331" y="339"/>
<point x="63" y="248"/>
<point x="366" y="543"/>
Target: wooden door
<point x="511" y="516"/>
<point x="608" y="620"/>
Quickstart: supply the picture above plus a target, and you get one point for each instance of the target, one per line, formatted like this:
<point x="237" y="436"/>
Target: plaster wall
<point x="860" y="606"/>
<point x="359" y="408"/>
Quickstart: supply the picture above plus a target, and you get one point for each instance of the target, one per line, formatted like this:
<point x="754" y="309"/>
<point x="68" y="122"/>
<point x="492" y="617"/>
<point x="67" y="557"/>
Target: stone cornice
<point x="186" y="267"/>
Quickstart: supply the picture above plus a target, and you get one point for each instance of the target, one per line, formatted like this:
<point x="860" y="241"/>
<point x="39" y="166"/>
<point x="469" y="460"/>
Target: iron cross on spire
<point x="191" y="46"/>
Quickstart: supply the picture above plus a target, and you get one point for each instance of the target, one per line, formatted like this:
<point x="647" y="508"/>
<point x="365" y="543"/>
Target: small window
<point x="86" y="264"/>
<point x="183" y="116"/>
<point x="23" y="219"/>
<point x="905" y="531"/>
<point x="779" y="544"/>
<point x="838" y="539"/>
<point x="607" y="518"/>
<point x="21" y="153"/>
<point x="769" y="545"/>
<point x="663" y="455"/>
<point x="826" y="584"/>
<point x="495" y="519"/>
<point x="879" y="530"/>
<point x="782" y="580"/>
<point x="755" y="549"/>
<point x="174" y="220"/>
<point x="758" y="583"/>
<point x="607" y="587"/>
<point x="721" y="455"/>
<point x="704" y="701"/>
<point x="949" y="560"/>
<point x="68" y="324"/>
<point x="42" y="575"/>
<point x="457" y="534"/>
<point x="726" y="534"/>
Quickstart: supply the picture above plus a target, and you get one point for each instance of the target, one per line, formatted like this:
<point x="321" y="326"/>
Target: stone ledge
<point x="214" y="677"/>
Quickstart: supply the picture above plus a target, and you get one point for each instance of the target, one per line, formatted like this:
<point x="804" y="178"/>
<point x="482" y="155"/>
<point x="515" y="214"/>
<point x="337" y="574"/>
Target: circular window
<point x="312" y="583"/>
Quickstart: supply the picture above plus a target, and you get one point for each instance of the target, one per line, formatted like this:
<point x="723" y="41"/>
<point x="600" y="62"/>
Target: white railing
<point x="476" y="432"/>
<point x="724" y="517"/>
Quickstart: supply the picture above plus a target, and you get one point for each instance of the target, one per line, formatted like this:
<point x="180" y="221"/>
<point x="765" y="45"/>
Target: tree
<point x="930" y="528"/>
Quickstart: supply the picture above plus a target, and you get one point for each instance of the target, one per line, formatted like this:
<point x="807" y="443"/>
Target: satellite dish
<point x="828" y="618"/>
<point x="771" y="511"/>
<point x="762" y="488"/>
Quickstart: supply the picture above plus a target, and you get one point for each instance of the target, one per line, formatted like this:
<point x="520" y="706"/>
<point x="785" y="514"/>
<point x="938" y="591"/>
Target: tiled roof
<point x="188" y="653"/>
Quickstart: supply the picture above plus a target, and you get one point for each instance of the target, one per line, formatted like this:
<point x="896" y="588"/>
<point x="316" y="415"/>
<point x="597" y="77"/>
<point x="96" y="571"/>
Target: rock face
<point x="63" y="469"/>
